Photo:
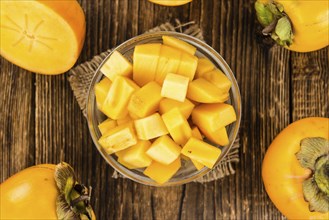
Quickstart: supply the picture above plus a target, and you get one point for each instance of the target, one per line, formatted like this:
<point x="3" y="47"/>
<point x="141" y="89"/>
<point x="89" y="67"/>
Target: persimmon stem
<point x="73" y="201"/>
<point x="321" y="174"/>
<point x="276" y="23"/>
<point x="313" y="155"/>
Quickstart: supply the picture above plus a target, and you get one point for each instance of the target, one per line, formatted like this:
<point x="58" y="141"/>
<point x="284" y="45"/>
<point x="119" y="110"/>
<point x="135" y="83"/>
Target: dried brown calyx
<point x="73" y="201"/>
<point x="314" y="155"/>
<point x="275" y="21"/>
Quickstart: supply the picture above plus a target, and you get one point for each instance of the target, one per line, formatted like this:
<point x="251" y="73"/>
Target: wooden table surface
<point x="40" y="120"/>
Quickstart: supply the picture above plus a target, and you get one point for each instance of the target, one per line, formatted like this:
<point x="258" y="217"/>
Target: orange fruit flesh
<point x="41" y="36"/>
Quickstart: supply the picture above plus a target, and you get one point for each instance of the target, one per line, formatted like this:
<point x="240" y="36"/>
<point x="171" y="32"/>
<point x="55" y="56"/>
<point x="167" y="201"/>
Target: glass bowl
<point x="187" y="172"/>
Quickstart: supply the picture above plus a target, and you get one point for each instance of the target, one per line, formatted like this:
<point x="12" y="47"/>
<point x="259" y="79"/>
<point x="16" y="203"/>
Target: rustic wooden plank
<point x="205" y="19"/>
<point x="192" y="207"/>
<point x="166" y="202"/>
<point x="229" y="194"/>
<point x="122" y="19"/>
<point x="142" y="202"/>
<point x="223" y="195"/>
<point x="195" y="11"/>
<point x="164" y="14"/>
<point x="16" y="119"/>
<point x="223" y="45"/>
<point x="106" y="189"/>
<point x="265" y="100"/>
<point x="196" y="198"/>
<point x="215" y="202"/>
<point x="133" y="9"/>
<point x="272" y="115"/>
<point x="235" y="41"/>
<point x="145" y="8"/>
<point x="209" y="205"/>
<point x="310" y="84"/>
<point x="150" y="202"/>
<point x="228" y="32"/>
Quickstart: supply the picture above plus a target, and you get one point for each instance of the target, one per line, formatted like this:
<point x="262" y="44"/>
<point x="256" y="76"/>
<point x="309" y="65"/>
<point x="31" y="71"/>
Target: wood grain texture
<point x="40" y="121"/>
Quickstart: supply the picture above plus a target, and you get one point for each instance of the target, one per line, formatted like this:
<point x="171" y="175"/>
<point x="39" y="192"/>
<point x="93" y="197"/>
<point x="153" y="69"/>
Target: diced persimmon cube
<point x="101" y="90"/>
<point x="145" y="101"/>
<point x="188" y="65"/>
<point x="109" y="150"/>
<point x="136" y="155"/>
<point x="218" y="136"/>
<point x="124" y="120"/>
<point x="177" y="125"/>
<point x="219" y="79"/>
<point x="145" y="64"/>
<point x="204" y="66"/>
<point x="115" y="104"/>
<point x="203" y="91"/>
<point x="175" y="87"/>
<point x="107" y="125"/>
<point x="185" y="107"/>
<point x="122" y="152"/>
<point x="179" y="44"/>
<point x="117" y="65"/>
<point x="164" y="150"/>
<point x="161" y="173"/>
<point x="197" y="164"/>
<point x="196" y="133"/>
<point x="133" y="116"/>
<point x="150" y="127"/>
<point x="118" y="138"/>
<point x="124" y="163"/>
<point x="212" y="117"/>
<point x="169" y="62"/>
<point x="201" y="152"/>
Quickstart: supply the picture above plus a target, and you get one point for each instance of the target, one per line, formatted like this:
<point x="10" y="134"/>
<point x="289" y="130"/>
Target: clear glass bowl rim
<point x="219" y="61"/>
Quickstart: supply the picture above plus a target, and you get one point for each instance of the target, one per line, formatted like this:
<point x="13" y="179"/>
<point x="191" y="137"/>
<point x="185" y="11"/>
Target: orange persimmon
<point x="288" y="181"/>
<point x="40" y="192"/>
<point x="170" y="2"/>
<point x="42" y="36"/>
<point x="299" y="25"/>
